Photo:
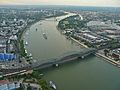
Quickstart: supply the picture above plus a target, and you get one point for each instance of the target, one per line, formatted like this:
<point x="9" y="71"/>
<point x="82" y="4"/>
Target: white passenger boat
<point x="26" y="43"/>
<point x="56" y="65"/>
<point x="52" y="85"/>
<point x="44" y="35"/>
<point x="30" y="55"/>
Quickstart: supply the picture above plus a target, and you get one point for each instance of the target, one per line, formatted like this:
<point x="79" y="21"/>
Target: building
<point x="6" y="85"/>
<point x="7" y="57"/>
<point x="116" y="54"/>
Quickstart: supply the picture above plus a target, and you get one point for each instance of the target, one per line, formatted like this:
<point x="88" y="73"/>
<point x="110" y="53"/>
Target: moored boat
<point x="44" y="35"/>
<point x="26" y="43"/>
<point x="52" y="85"/>
<point x="30" y="55"/>
<point x="36" y="29"/>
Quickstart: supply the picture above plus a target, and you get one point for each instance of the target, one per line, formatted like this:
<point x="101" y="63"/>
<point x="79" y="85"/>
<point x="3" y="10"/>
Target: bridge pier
<point x="83" y="57"/>
<point x="55" y="65"/>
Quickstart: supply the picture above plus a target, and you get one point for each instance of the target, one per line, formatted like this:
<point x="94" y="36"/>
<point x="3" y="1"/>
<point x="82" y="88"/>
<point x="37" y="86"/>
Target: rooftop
<point x="3" y="82"/>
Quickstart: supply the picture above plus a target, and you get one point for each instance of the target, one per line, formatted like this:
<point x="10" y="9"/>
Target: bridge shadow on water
<point x="66" y="58"/>
<point x="71" y="63"/>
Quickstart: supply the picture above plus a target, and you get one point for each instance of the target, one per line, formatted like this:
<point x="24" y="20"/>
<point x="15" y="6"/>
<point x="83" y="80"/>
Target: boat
<point x="25" y="51"/>
<point x="44" y="35"/>
<point x="26" y="43"/>
<point x="52" y="85"/>
<point x="36" y="29"/>
<point x="56" y="65"/>
<point x="30" y="55"/>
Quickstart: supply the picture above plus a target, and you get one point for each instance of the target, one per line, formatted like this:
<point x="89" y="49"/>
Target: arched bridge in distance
<point x="66" y="57"/>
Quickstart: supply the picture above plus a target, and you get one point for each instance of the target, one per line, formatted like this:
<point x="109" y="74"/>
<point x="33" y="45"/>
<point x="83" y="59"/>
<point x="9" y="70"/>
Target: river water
<point x="91" y="73"/>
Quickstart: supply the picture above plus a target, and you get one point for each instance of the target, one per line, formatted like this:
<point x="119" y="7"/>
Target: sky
<point x="62" y="2"/>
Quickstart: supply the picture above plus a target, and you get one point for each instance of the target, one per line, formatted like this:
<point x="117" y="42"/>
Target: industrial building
<point x="7" y="57"/>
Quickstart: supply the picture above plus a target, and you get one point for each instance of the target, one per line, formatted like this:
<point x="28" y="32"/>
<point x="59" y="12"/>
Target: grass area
<point x="72" y="22"/>
<point x="22" y="49"/>
<point x="44" y="85"/>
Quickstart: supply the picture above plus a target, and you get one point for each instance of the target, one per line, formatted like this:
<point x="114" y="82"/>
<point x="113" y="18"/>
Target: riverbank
<point x="79" y="42"/>
<point x="21" y="44"/>
<point x="115" y="63"/>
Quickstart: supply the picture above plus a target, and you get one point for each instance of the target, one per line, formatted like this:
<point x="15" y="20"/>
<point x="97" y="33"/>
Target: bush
<point x="22" y="49"/>
<point x="44" y="85"/>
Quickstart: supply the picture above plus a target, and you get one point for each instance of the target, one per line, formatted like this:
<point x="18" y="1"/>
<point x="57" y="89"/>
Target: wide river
<point x="92" y="73"/>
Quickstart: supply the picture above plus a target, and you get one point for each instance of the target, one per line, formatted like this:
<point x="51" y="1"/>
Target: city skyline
<point x="62" y="2"/>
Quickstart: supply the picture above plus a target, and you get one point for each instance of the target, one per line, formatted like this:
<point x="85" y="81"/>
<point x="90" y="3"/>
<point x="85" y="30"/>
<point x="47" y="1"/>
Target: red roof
<point x="4" y="82"/>
<point x="116" y="56"/>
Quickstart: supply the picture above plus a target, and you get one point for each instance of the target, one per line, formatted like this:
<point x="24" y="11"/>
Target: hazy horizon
<point x="109" y="3"/>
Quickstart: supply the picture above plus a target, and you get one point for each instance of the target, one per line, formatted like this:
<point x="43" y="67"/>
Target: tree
<point x="106" y="52"/>
<point x="29" y="87"/>
<point x="21" y="87"/>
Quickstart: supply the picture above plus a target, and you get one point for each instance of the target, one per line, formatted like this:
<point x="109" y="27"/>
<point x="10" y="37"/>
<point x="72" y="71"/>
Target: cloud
<point x="64" y="2"/>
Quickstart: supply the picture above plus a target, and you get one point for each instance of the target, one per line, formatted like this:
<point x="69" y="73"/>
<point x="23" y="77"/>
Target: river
<point x="91" y="73"/>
